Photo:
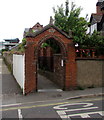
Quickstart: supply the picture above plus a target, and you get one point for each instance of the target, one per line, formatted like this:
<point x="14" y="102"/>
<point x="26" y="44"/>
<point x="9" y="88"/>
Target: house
<point x="35" y="28"/>
<point x="97" y="19"/>
<point x="9" y="43"/>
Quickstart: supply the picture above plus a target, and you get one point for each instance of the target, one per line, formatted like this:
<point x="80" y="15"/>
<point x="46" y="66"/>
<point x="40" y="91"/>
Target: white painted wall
<point x="19" y="69"/>
<point x="93" y="27"/>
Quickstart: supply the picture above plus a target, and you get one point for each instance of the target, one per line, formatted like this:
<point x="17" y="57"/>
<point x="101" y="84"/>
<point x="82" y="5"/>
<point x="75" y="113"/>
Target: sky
<point x="16" y="15"/>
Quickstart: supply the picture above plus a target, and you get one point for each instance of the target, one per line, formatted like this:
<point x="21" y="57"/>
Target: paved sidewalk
<point x="9" y="84"/>
<point x="46" y="85"/>
<point x="64" y="95"/>
<point x="11" y="93"/>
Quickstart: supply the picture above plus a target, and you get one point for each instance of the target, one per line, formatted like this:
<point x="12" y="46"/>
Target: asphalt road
<point x="60" y="110"/>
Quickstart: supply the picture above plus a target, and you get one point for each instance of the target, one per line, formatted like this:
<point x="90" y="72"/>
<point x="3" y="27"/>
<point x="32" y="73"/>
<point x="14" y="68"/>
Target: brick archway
<point x="56" y="71"/>
<point x="61" y="44"/>
<point x="34" y="41"/>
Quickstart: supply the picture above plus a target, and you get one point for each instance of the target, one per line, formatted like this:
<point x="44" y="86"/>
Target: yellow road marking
<point x="44" y="105"/>
<point x="27" y="107"/>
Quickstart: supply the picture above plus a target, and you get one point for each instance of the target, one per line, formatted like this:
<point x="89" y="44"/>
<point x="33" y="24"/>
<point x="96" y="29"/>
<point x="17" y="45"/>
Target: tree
<point x="95" y="41"/>
<point x="69" y="20"/>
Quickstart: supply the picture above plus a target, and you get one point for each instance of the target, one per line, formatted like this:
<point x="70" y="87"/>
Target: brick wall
<point x="45" y="59"/>
<point x="59" y="70"/>
<point x="58" y="74"/>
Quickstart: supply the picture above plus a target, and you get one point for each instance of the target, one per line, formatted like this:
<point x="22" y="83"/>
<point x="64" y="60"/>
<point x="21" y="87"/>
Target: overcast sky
<point x="16" y="15"/>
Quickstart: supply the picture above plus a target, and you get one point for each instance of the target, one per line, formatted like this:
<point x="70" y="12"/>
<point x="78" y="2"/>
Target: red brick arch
<point x="60" y="43"/>
<point x="33" y="44"/>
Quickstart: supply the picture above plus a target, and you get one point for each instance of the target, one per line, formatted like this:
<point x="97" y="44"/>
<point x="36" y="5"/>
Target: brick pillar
<point x="81" y="55"/>
<point x="41" y="51"/>
<point x="49" y="51"/>
<point x="49" y="58"/>
<point x="71" y="82"/>
<point x="93" y="53"/>
<point x="30" y="69"/>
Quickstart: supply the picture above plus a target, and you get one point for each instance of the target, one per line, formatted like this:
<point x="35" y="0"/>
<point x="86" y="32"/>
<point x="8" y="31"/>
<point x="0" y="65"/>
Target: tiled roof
<point x="37" y="25"/>
<point x="98" y="3"/>
<point x="34" y="34"/>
